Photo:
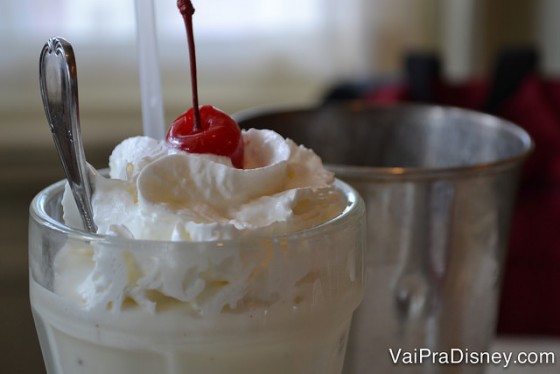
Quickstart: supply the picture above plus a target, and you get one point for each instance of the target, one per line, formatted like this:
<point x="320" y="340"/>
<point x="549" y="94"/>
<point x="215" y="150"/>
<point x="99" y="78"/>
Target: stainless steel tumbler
<point x="439" y="185"/>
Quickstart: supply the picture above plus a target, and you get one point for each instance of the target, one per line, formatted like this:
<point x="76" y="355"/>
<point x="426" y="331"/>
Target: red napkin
<point x="529" y="304"/>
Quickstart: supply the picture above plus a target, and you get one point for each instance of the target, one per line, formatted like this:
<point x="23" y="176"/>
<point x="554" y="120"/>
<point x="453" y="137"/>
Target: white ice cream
<point x="161" y="193"/>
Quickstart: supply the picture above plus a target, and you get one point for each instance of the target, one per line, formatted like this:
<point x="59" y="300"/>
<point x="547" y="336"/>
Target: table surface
<point x="524" y="346"/>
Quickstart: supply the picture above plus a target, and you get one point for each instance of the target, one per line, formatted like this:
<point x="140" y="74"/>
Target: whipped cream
<point x="160" y="193"/>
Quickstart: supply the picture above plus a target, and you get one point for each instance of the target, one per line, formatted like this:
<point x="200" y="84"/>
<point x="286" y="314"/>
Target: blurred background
<point x="251" y="53"/>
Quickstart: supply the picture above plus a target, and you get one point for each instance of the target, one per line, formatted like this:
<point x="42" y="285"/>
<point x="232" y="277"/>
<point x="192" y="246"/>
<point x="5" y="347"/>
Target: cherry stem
<point x="187" y="10"/>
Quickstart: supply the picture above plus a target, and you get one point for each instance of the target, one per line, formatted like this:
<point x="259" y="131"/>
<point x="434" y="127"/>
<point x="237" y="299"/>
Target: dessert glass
<point x="272" y="329"/>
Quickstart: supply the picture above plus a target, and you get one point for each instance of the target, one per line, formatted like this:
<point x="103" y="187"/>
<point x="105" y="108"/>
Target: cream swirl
<point x="161" y="193"/>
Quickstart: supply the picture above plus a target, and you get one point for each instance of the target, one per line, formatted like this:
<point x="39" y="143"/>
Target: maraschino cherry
<point x="204" y="129"/>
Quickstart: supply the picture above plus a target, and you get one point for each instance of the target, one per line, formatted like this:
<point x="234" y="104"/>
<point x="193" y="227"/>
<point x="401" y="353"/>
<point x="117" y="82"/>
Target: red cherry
<point x="204" y="129"/>
<point x="218" y="134"/>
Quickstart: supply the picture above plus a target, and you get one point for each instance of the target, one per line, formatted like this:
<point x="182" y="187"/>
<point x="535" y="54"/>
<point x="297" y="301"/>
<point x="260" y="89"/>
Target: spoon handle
<point x="59" y="90"/>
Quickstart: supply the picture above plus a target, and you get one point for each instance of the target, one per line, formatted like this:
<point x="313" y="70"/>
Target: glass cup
<point x="267" y="304"/>
<point x="439" y="185"/>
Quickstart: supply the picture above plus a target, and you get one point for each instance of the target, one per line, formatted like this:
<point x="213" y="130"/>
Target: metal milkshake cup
<point x="439" y="185"/>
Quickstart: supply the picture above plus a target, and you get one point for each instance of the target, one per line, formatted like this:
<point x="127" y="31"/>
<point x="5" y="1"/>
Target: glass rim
<point x="38" y="213"/>
<point x="365" y="173"/>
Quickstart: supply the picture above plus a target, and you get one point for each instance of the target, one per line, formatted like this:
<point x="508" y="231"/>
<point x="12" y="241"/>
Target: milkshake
<point x="215" y="251"/>
<point x="199" y="266"/>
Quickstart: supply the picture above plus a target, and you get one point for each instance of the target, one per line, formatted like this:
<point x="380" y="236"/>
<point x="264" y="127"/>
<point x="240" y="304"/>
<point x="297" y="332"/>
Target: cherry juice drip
<point x="187" y="10"/>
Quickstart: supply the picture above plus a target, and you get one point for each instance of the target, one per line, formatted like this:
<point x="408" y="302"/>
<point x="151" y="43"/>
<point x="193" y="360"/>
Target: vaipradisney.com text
<point x="463" y="356"/>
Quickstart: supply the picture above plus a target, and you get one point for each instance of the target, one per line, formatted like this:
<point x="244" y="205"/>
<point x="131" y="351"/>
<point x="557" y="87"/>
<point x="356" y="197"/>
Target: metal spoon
<point x="59" y="90"/>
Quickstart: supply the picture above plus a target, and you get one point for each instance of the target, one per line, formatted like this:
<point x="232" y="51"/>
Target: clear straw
<point x="150" y="79"/>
